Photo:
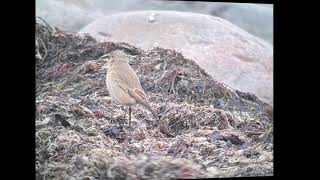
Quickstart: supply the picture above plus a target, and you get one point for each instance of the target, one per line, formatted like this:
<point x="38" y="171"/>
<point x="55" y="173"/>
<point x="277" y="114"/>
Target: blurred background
<point x="73" y="15"/>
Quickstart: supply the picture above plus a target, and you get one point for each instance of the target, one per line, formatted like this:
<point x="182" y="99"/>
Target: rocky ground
<point x="206" y="128"/>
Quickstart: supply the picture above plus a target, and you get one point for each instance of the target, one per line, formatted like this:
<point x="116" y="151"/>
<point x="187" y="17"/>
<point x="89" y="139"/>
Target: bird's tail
<point x="140" y="97"/>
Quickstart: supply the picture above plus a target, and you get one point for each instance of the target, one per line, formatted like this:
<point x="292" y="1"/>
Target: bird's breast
<point x="118" y="94"/>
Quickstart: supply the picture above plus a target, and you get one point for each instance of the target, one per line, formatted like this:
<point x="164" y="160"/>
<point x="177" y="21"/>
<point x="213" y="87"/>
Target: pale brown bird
<point x="124" y="85"/>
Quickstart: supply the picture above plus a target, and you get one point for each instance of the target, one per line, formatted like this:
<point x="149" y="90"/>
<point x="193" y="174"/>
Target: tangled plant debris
<point x="206" y="129"/>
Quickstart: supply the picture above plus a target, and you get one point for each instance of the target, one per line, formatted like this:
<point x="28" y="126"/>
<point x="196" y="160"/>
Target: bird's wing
<point x="127" y="76"/>
<point x="121" y="85"/>
<point x="134" y="92"/>
<point x="140" y="93"/>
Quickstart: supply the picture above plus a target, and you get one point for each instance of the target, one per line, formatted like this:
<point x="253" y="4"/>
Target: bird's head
<point x="117" y="56"/>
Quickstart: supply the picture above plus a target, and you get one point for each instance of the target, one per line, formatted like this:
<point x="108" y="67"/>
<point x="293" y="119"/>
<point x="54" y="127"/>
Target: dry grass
<point x="207" y="129"/>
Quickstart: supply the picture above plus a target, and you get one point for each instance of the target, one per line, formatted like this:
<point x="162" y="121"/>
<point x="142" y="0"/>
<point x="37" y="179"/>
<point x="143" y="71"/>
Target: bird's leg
<point x="129" y="115"/>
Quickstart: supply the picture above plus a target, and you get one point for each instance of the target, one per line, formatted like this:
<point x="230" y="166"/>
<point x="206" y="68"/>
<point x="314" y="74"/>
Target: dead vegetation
<point x="207" y="129"/>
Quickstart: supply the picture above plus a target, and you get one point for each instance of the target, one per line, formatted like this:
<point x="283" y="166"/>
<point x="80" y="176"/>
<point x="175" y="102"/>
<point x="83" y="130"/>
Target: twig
<point x="45" y="50"/>
<point x="172" y="89"/>
<point x="254" y="133"/>
<point x="38" y="55"/>
<point x="265" y="133"/>
<point x="227" y="86"/>
<point x="88" y="111"/>
<point x="261" y="124"/>
<point x="45" y="22"/>
<point x="148" y="148"/>
<point x="164" y="66"/>
<point x="42" y="90"/>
